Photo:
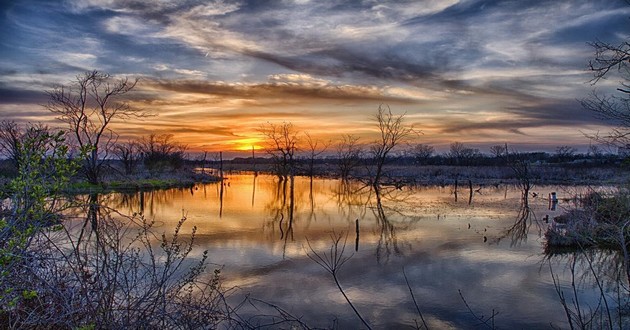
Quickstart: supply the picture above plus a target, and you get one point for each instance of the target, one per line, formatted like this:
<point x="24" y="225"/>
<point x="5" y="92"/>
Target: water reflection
<point x="518" y="231"/>
<point x="591" y="287"/>
<point x="282" y="209"/>
<point x="257" y="227"/>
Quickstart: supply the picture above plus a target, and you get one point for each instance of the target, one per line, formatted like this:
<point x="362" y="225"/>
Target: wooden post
<point x="356" y="244"/>
<point x="221" y="164"/>
<point x="471" y="192"/>
<point x="203" y="163"/>
<point x="455" y="189"/>
<point x="254" y="161"/>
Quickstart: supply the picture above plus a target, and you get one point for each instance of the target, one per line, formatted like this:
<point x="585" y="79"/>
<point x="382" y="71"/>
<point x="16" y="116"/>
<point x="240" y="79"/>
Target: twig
<point x="415" y="303"/>
<point x="332" y="263"/>
<point x="480" y="318"/>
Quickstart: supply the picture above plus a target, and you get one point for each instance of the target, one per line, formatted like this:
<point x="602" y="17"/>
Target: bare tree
<point x="461" y="154"/>
<point x="13" y="136"/>
<point x="129" y="154"/>
<point x="160" y="152"/>
<point x="10" y="137"/>
<point x="421" y="152"/>
<point x="393" y="131"/>
<point x="348" y="155"/>
<point x="522" y="170"/>
<point x="611" y="60"/>
<point x="498" y="150"/>
<point x="564" y="153"/>
<point x="88" y="106"/>
<point x="315" y="148"/>
<point x="282" y="140"/>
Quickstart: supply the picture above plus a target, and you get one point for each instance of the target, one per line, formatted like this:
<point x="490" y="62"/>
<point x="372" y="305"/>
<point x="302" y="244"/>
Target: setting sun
<point x="248" y="144"/>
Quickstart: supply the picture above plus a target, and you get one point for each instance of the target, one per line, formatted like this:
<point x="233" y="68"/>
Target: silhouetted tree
<point x="521" y="167"/>
<point x="88" y="105"/>
<point x="348" y="155"/>
<point x="498" y="150"/>
<point x="393" y="131"/>
<point x="565" y="153"/>
<point x="129" y="154"/>
<point x="421" y="152"/>
<point x="461" y="154"/>
<point x="160" y="152"/>
<point x="315" y="148"/>
<point x="281" y="145"/>
<point x="12" y="137"/>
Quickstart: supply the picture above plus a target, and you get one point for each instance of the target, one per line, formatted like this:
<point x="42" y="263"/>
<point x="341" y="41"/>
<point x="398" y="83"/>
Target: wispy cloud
<point x="509" y="68"/>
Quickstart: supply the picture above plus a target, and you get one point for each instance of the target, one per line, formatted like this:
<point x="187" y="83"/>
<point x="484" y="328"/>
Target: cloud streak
<point x="508" y="68"/>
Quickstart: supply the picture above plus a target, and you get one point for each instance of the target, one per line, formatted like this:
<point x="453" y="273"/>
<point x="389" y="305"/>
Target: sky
<point x="214" y="72"/>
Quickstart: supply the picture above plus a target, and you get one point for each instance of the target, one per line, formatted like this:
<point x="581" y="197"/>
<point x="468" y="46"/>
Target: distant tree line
<point x="350" y="155"/>
<point x="93" y="100"/>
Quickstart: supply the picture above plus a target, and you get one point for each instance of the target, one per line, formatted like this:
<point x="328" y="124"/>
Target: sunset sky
<point x="478" y="72"/>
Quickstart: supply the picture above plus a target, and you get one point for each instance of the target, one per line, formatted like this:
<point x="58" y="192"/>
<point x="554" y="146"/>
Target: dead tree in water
<point x="393" y="131"/>
<point x="282" y="142"/>
<point x="522" y="171"/>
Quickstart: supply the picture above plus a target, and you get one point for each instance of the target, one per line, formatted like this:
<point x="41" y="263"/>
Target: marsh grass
<point x="114" y="273"/>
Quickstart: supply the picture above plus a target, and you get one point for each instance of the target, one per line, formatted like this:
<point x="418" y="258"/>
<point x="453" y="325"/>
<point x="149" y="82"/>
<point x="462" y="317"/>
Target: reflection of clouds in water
<point x="440" y="254"/>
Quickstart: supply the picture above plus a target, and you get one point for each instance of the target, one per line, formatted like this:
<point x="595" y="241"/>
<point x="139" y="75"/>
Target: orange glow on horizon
<point x="248" y="144"/>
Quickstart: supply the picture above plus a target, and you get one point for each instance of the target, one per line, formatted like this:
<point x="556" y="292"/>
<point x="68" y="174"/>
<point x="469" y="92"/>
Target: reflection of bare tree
<point x="518" y="231"/>
<point x="282" y="209"/>
<point x="221" y="189"/>
<point x="254" y="187"/>
<point x="141" y="201"/>
<point x="582" y="271"/>
<point x="387" y="242"/>
<point x="606" y="264"/>
<point x="355" y="198"/>
<point x="352" y="197"/>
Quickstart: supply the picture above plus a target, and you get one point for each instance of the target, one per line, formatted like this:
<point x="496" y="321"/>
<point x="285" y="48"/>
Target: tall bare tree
<point x="88" y="106"/>
<point x="392" y="131"/>
<point x="281" y="140"/>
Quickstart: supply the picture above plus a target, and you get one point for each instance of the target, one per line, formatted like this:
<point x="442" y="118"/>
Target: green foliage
<point x="44" y="170"/>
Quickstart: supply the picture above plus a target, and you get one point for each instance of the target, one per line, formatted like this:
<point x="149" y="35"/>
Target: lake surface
<point x="259" y="231"/>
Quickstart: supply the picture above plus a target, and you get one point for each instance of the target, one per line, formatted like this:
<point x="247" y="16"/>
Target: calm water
<point x="257" y="230"/>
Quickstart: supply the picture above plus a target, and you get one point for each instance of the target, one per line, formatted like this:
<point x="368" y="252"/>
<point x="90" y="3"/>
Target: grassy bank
<point x="602" y="220"/>
<point x="135" y="182"/>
